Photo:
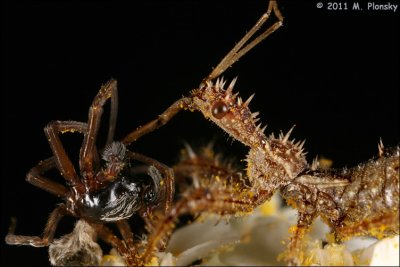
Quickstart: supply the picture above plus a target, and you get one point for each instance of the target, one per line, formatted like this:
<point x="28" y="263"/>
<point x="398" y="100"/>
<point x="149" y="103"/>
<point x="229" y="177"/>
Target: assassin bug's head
<point x="228" y="111"/>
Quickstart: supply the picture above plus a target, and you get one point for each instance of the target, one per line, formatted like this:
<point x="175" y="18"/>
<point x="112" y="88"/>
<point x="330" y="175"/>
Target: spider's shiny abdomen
<point x="117" y="201"/>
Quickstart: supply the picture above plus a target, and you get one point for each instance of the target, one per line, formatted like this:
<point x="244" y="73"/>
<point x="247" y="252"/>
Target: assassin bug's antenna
<point x="240" y="49"/>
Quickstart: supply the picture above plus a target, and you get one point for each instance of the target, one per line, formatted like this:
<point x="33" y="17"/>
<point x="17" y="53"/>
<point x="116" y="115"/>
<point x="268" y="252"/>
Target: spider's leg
<point x="169" y="180"/>
<point x="109" y="237"/>
<point x="162" y="119"/>
<point x="88" y="153"/>
<point x="34" y="176"/>
<point x="61" y="158"/>
<point x="113" y="114"/>
<point x="36" y="241"/>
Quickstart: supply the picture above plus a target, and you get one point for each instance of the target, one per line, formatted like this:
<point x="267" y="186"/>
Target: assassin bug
<point x="343" y="198"/>
<point x="358" y="201"/>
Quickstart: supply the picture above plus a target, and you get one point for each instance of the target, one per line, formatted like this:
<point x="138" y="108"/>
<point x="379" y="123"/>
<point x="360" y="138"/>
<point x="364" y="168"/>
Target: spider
<point x="99" y="193"/>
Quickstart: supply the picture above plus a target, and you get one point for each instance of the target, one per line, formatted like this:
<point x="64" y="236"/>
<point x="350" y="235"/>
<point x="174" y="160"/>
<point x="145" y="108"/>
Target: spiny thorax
<point x="275" y="164"/>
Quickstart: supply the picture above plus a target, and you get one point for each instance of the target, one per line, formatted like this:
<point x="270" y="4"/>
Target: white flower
<point x="259" y="238"/>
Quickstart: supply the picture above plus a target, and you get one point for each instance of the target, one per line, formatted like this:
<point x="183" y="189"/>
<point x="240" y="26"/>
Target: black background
<point x="335" y="74"/>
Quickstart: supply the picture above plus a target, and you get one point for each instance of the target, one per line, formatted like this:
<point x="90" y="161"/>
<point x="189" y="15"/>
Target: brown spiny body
<point x="359" y="201"/>
<point x="363" y="200"/>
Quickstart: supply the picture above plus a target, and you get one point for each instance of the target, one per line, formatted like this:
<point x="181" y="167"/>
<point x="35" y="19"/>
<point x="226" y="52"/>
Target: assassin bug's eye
<point x="219" y="109"/>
